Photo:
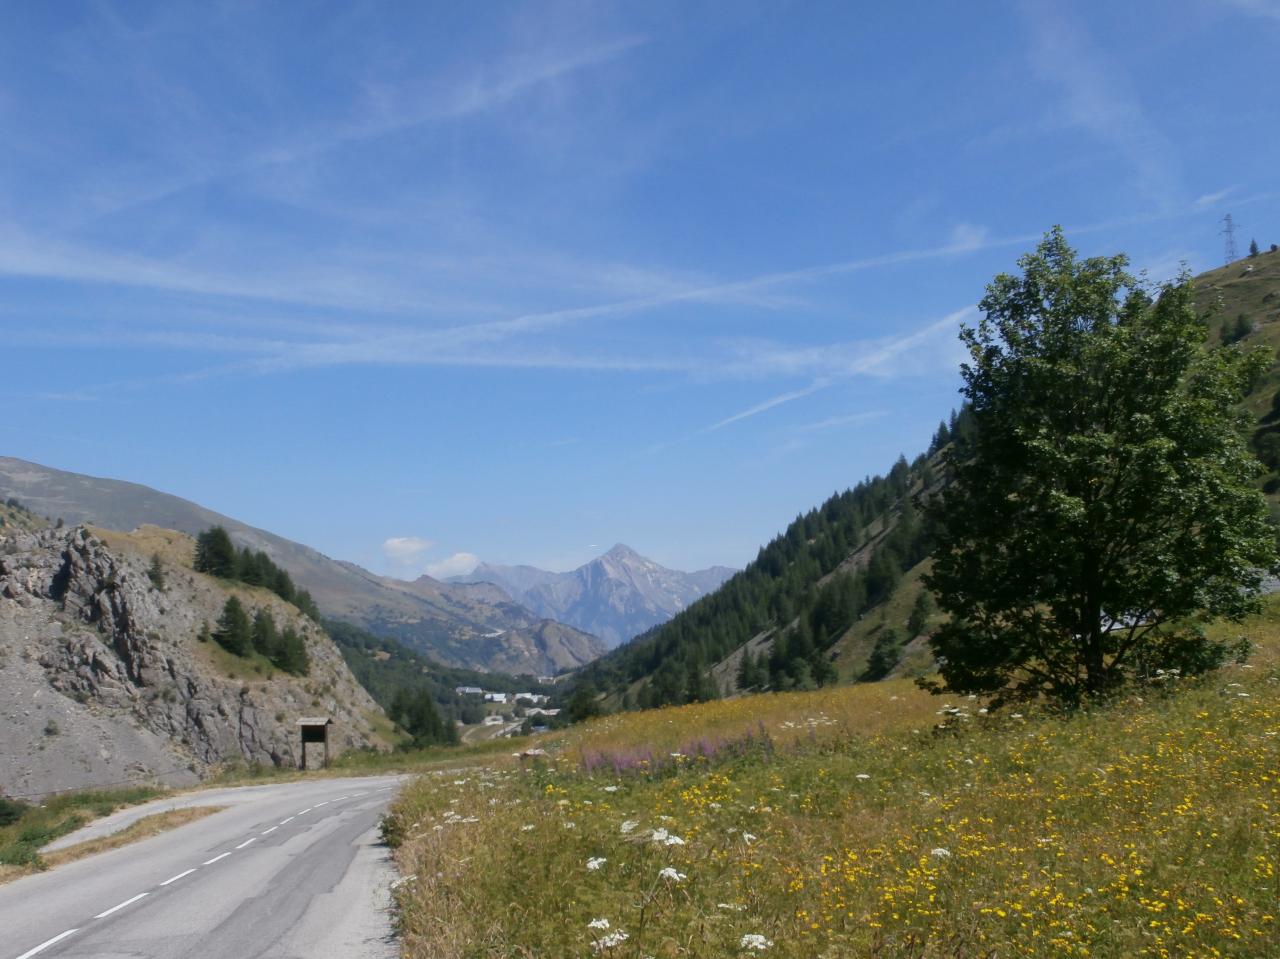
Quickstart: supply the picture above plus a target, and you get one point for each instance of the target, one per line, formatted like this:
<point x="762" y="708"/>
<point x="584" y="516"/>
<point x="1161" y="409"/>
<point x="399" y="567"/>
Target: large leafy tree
<point x="1103" y="508"/>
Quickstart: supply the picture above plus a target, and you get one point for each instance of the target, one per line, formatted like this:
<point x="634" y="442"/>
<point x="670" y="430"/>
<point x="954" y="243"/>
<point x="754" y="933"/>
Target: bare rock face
<point x="103" y="679"/>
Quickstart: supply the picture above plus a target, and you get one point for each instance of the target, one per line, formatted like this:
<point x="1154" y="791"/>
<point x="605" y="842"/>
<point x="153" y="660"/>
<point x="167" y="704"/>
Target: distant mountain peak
<point x="615" y="596"/>
<point x="623" y="551"/>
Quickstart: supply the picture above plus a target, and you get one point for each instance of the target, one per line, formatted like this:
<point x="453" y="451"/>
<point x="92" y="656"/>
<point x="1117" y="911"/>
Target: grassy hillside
<point x="870" y="820"/>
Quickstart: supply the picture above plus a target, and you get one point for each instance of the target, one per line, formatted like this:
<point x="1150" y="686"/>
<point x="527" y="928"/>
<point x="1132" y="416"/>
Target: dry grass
<point x="174" y="548"/>
<point x="144" y="828"/>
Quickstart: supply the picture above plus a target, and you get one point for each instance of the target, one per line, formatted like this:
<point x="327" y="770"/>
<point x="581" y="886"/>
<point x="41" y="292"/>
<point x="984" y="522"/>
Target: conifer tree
<point x="215" y="553"/>
<point x="234" y="632"/>
<point x="156" y="572"/>
<point x="265" y="636"/>
<point x="884" y="655"/>
<point x="921" y="610"/>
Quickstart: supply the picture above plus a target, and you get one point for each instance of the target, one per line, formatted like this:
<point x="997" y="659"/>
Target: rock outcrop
<point x="104" y="680"/>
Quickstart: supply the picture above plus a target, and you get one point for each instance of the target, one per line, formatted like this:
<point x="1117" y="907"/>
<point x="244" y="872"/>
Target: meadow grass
<point x="847" y="823"/>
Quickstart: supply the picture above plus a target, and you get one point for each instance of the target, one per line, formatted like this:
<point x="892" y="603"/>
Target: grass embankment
<point x="144" y="828"/>
<point x="841" y="823"/>
<point x="26" y="828"/>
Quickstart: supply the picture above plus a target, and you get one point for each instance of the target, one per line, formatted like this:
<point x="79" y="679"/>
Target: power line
<point x="1229" y="231"/>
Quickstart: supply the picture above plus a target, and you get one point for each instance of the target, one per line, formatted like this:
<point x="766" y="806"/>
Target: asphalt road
<point x="288" y="871"/>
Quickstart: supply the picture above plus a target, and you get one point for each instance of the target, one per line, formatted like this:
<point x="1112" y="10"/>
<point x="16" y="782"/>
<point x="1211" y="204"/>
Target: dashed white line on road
<point x="177" y="877"/>
<point x="210" y="862"/>
<point x="319" y="804"/>
<point x="46" y="944"/>
<point x="119" y="906"/>
<point x="247" y="842"/>
<point x="270" y="831"/>
<point x="305" y="811"/>
<point x="290" y="819"/>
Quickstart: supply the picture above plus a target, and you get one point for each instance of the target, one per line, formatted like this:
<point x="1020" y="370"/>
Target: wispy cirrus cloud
<point x="862" y="359"/>
<point x="1098" y="97"/>
<point x="1212" y="199"/>
<point x="835" y="422"/>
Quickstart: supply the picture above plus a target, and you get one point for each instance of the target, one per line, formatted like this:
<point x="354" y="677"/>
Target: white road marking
<point x="319" y="804"/>
<point x="177" y="877"/>
<point x="290" y="819"/>
<point x="271" y="830"/>
<point x="210" y="862"/>
<point x="127" y="902"/>
<point x="305" y="811"/>
<point x="246" y="842"/>
<point x="46" y="944"/>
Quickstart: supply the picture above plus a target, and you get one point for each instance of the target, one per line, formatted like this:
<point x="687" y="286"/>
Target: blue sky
<point x="417" y="282"/>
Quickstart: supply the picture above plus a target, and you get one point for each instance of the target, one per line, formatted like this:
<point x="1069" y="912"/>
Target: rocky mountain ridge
<point x="616" y="596"/>
<point x="455" y="625"/>
<point x="103" y="679"/>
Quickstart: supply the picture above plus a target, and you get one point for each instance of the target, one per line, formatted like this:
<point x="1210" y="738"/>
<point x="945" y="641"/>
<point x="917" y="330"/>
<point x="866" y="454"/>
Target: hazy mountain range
<point x="615" y="596"/>
<point x="476" y="626"/>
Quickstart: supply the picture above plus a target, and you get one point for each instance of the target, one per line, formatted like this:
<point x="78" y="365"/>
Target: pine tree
<point x="248" y="569"/>
<point x="884" y="655"/>
<point x="156" y="572"/>
<point x="234" y="632"/>
<point x="921" y="610"/>
<point x="215" y="553"/>
<point x="265" y="637"/>
<point x="291" y="653"/>
<point x="1253" y="247"/>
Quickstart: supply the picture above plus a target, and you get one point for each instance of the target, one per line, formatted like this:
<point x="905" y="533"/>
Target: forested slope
<point x="795" y="601"/>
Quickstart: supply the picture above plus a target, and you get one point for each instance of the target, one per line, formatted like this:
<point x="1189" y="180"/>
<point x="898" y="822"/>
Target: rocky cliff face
<point x="103" y="679"/>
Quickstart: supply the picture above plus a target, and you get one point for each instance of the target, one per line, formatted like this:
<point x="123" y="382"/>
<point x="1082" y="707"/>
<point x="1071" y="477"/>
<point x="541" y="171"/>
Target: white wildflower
<point x="671" y="875"/>
<point x="627" y="826"/>
<point x="609" y="941"/>
<point x="748" y="837"/>
<point x="731" y="907"/>
<point x="611" y="789"/>
<point x="595" y="863"/>
<point x="940" y="853"/>
<point x="862" y="776"/>
<point x="598" y="924"/>
<point x="754" y="940"/>
<point x="529" y="827"/>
